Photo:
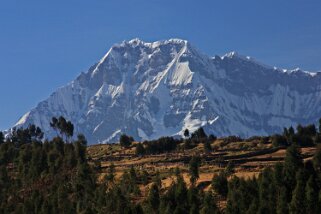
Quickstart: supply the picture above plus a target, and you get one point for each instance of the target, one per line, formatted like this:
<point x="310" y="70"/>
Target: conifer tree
<point x="144" y="177"/>
<point x="80" y="148"/>
<point x="1" y="137"/>
<point x="292" y="163"/>
<point x="278" y="175"/>
<point x="209" y="206"/>
<point x="229" y="170"/>
<point x="311" y="193"/>
<point x="180" y="196"/>
<point x="193" y="198"/>
<point x="54" y="124"/>
<point x="110" y="177"/>
<point x="317" y="160"/>
<point x="153" y="199"/>
<point x="186" y="133"/>
<point x="199" y="134"/>
<point x="297" y="205"/>
<point x="157" y="180"/>
<point x="207" y="146"/>
<point x="125" y="141"/>
<point x="140" y="150"/>
<point x="282" y="205"/>
<point x="194" y="165"/>
<point x="253" y="209"/>
<point x="265" y="187"/>
<point x="220" y="184"/>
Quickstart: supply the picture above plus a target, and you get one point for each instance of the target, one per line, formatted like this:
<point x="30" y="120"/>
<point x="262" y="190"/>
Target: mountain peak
<point x="153" y="89"/>
<point x="231" y="54"/>
<point x="138" y="41"/>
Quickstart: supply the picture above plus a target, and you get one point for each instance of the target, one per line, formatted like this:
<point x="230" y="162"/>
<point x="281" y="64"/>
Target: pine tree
<point x="144" y="177"/>
<point x="157" y="179"/>
<point x="311" y="193"/>
<point x="207" y="146"/>
<point x="199" y="134"/>
<point x="265" y="187"/>
<point x="317" y="159"/>
<point x="319" y="202"/>
<point x="54" y="124"/>
<point x="193" y="199"/>
<point x="282" y="205"/>
<point x="153" y="198"/>
<point x="80" y="148"/>
<point x="229" y="170"/>
<point x="125" y="141"/>
<point x="4" y="179"/>
<point x="140" y="150"/>
<point x="209" y="206"/>
<point x="1" y="137"/>
<point x="186" y="133"/>
<point x="110" y="177"/>
<point x="69" y="130"/>
<point x="219" y="184"/>
<point x="253" y="209"/>
<point x="278" y="175"/>
<point x="194" y="165"/>
<point x="181" y="195"/>
<point x="279" y="140"/>
<point x="292" y="163"/>
<point x="297" y="205"/>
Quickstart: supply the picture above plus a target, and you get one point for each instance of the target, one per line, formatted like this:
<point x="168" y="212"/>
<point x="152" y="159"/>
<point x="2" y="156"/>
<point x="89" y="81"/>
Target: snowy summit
<point x="149" y="90"/>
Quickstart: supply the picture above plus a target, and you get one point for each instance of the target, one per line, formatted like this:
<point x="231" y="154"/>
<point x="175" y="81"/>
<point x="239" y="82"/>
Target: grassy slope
<point x="249" y="159"/>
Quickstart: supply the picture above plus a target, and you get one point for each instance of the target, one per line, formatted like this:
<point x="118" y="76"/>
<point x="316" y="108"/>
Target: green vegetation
<point x="56" y="176"/>
<point x="125" y="141"/>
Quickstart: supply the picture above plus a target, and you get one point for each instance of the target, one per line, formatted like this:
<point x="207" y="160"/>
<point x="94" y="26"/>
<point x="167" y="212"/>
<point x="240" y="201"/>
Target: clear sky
<point x="46" y="44"/>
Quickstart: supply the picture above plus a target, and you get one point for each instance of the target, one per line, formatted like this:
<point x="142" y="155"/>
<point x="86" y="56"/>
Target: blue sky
<point x="46" y="44"/>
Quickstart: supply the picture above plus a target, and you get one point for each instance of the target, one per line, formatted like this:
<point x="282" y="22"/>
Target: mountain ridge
<point x="160" y="88"/>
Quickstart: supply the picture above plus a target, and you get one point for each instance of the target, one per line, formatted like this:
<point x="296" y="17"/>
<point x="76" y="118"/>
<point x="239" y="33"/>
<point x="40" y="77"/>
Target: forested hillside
<point x="62" y="175"/>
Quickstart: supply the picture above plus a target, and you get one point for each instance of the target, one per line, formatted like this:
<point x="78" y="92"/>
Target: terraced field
<point x="247" y="158"/>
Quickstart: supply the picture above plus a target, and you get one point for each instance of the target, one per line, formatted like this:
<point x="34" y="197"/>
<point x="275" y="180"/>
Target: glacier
<point x="153" y="89"/>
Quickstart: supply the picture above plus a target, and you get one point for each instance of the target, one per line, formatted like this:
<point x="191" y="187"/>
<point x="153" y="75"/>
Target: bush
<point x="279" y="140"/>
<point x="163" y="144"/>
<point x="125" y="141"/>
<point x="140" y="150"/>
<point x="219" y="184"/>
<point x="232" y="139"/>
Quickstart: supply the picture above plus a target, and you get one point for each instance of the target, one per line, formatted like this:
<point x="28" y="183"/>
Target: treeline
<point x="54" y="177"/>
<point x="303" y="136"/>
<point x="289" y="187"/>
<point x="42" y="176"/>
<point x="169" y="144"/>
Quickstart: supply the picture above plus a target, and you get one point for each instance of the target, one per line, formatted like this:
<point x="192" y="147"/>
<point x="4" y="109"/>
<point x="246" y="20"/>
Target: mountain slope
<point x="149" y="90"/>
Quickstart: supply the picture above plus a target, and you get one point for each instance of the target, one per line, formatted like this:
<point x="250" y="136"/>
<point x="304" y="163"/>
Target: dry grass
<point x="246" y="168"/>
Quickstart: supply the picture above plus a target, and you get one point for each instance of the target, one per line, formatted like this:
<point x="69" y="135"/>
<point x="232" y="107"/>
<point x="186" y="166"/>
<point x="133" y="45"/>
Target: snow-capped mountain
<point x="148" y="90"/>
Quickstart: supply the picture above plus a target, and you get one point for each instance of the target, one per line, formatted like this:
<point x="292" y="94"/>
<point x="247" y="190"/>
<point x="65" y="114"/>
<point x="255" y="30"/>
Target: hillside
<point x="198" y="174"/>
<point x="248" y="158"/>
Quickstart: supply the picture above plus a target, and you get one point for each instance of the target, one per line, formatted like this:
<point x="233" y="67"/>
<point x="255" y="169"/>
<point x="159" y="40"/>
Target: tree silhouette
<point x="64" y="127"/>
<point x="153" y="199"/>
<point x="186" y="133"/>
<point x="297" y="204"/>
<point x="311" y="194"/>
<point x="125" y="141"/>
<point x="1" y="137"/>
<point x="194" y="165"/>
